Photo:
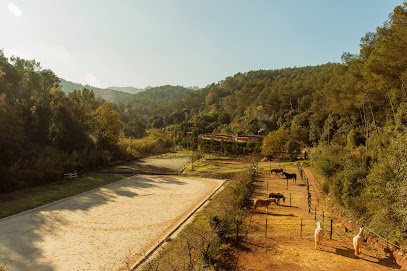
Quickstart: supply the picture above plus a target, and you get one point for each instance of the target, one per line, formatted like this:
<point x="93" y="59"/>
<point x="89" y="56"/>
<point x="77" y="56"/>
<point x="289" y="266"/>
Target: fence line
<point x="339" y="220"/>
<point x="330" y="221"/>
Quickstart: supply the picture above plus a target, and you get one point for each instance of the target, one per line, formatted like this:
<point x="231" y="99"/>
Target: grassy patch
<point x="179" y="153"/>
<point x="25" y="199"/>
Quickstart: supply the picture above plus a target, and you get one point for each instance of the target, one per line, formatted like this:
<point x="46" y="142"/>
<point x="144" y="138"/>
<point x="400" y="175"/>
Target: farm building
<point x="231" y="138"/>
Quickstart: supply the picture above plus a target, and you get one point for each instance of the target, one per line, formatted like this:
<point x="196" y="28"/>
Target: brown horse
<point x="264" y="203"/>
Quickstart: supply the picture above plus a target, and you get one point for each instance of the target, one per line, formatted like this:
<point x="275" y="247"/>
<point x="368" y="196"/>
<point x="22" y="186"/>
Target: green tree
<point x="274" y="144"/>
<point x="107" y="125"/>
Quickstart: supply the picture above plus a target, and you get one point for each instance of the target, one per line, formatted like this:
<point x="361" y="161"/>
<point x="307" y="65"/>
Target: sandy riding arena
<point x="103" y="229"/>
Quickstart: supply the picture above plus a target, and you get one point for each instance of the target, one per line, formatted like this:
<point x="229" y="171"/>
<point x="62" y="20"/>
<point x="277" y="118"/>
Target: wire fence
<point x="344" y="230"/>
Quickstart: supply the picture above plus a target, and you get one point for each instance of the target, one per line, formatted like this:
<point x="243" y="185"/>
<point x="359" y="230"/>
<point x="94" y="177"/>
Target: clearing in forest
<point x="288" y="241"/>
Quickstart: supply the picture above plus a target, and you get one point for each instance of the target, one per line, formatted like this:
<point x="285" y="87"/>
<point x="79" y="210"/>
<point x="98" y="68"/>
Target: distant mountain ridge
<point x="126" y="95"/>
<point x="129" y="89"/>
<point x="110" y="95"/>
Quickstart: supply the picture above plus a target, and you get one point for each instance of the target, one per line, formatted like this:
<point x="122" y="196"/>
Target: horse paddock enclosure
<point x="103" y="229"/>
<point x="282" y="236"/>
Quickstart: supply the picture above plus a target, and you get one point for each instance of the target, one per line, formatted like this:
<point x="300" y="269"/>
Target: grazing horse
<point x="264" y="203"/>
<point x="290" y="176"/>
<point x="277" y="196"/>
<point x="276" y="171"/>
<point x="319" y="233"/>
<point x="357" y="241"/>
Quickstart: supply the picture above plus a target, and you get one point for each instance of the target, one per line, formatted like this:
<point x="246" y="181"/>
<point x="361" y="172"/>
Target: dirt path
<point x="289" y="246"/>
<point x="102" y="229"/>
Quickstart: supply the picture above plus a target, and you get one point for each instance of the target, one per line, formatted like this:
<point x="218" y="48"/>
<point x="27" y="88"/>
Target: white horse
<point x="319" y="232"/>
<point x="357" y="241"/>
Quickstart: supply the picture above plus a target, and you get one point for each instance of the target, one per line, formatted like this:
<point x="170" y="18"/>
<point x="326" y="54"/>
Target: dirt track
<point x="102" y="229"/>
<point x="285" y="249"/>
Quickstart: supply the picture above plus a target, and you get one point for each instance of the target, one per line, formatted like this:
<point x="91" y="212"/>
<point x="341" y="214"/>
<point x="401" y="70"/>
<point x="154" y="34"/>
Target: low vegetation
<point x="373" y="192"/>
<point x="205" y="242"/>
<point x="154" y="143"/>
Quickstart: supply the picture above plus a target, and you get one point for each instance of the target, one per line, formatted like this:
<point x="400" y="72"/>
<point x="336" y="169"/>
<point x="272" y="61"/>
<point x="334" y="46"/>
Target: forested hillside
<point x="131" y="90"/>
<point x="354" y="112"/>
<point x="140" y="109"/>
<point x="107" y="94"/>
<point x="45" y="132"/>
<point x="153" y="108"/>
<point x="50" y="126"/>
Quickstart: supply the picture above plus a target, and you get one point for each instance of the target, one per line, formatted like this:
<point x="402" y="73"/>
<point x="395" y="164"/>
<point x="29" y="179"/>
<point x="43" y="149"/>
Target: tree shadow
<point x="387" y="261"/>
<point x="288" y="206"/>
<point x="21" y="235"/>
<point x="242" y="246"/>
<point x="287" y="215"/>
<point x="155" y="165"/>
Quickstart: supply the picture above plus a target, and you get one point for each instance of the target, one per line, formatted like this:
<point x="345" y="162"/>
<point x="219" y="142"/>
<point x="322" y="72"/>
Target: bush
<point x="344" y="175"/>
<point x="328" y="160"/>
<point x="152" y="144"/>
<point x="386" y="192"/>
<point x="372" y="191"/>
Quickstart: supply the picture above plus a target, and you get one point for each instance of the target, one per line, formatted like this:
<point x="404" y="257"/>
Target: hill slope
<point x="110" y="95"/>
<point x="131" y="90"/>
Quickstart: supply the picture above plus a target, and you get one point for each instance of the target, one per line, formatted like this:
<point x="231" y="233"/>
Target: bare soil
<point x="284" y="246"/>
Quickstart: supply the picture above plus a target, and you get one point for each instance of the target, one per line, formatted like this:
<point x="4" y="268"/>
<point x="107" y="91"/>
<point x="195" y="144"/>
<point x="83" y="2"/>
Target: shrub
<point x="344" y="174"/>
<point x="152" y="144"/>
<point x="386" y="192"/>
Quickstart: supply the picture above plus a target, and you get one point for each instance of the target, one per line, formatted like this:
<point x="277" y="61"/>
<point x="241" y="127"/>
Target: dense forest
<point x="352" y="116"/>
<point x="50" y="126"/>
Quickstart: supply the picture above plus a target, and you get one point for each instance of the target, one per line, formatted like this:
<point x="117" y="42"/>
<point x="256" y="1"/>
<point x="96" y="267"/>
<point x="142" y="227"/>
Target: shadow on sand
<point x="20" y="234"/>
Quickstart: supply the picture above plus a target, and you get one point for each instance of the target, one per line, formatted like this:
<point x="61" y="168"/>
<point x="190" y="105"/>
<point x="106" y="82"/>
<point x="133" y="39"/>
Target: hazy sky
<point x="184" y="42"/>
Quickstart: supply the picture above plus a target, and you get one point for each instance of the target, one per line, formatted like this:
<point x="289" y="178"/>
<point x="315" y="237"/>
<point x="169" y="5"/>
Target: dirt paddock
<point x="288" y="243"/>
<point x="103" y="229"/>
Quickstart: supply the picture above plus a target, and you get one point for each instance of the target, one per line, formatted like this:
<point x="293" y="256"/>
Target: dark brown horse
<point x="290" y="176"/>
<point x="276" y="171"/>
<point x="277" y="196"/>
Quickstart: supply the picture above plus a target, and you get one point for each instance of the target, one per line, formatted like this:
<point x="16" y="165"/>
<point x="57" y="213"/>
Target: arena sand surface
<point x="102" y="229"/>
